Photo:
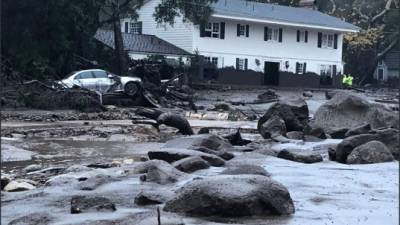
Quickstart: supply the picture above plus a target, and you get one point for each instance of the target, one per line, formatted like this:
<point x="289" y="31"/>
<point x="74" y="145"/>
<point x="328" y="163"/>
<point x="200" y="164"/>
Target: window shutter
<point x="202" y="30"/>
<point x="280" y="34"/>
<point x="237" y="63"/>
<point x="140" y="27"/>
<point x="304" y="68"/>
<point x="319" y="39"/>
<point x="335" y="40"/>
<point x="238" y="30"/>
<point x="222" y="30"/>
<point x="306" y="36"/>
<point x="126" y="27"/>
<point x="246" y="64"/>
<point x="298" y="36"/>
<point x="247" y="30"/>
<point x="265" y="33"/>
<point x="334" y="70"/>
<point x="297" y="67"/>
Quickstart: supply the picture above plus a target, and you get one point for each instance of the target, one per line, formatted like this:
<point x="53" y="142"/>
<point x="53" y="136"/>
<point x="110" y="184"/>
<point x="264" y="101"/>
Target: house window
<point x="327" y="40"/>
<point x="273" y="34"/>
<point x="212" y="30"/>
<point x="135" y="28"/>
<point x="242" y="30"/>
<point x="303" y="36"/>
<point x="299" y="68"/>
<point x="380" y="63"/>
<point x="241" y="64"/>
<point x="214" y="61"/>
<point x="380" y="74"/>
<point x="326" y="70"/>
<point x="207" y="59"/>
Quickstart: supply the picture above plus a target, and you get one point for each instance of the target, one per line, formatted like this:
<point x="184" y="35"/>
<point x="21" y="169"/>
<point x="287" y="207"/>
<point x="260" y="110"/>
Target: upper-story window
<point x="302" y="36"/>
<point x="327" y="40"/>
<point x="272" y="34"/>
<point x="135" y="28"/>
<point x="212" y="30"/>
<point x="243" y="30"/>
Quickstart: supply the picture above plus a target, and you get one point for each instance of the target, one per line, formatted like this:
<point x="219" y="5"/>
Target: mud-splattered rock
<point x="152" y="197"/>
<point x="370" y="152"/>
<point x="246" y="169"/>
<point x="391" y="138"/>
<point x="363" y="129"/>
<point x="33" y="219"/>
<point x="233" y="196"/>
<point x="345" y="147"/>
<point x="19" y="185"/>
<point x="295" y="135"/>
<point x="338" y="133"/>
<point x="171" y="155"/>
<point x="273" y="127"/>
<point x="161" y="173"/>
<point x="92" y="182"/>
<point x="33" y="167"/>
<point x="210" y="141"/>
<point x="191" y="164"/>
<point x="221" y="153"/>
<point x="300" y="156"/>
<point x="81" y="204"/>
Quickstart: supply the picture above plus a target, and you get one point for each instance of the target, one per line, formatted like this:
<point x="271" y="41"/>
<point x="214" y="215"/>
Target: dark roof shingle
<point x="278" y="13"/>
<point x="140" y="43"/>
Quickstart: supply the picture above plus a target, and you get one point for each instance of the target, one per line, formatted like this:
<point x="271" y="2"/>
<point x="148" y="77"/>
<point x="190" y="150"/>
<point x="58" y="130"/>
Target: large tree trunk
<point x="119" y="43"/>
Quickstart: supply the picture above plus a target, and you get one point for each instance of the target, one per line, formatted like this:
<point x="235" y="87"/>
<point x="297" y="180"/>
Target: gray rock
<point x="332" y="154"/>
<point x="391" y="138"/>
<point x="311" y="138"/>
<point x="363" y="129"/>
<point x="315" y="131"/>
<point x="19" y="185"/>
<point x="81" y="204"/>
<point x="345" y="147"/>
<point x="351" y="111"/>
<point x="32" y="219"/>
<point x="300" y="156"/>
<point x="294" y="113"/>
<point x="338" y="133"/>
<point x="5" y="179"/>
<point x="210" y="141"/>
<point x="221" y="153"/>
<point x="370" y="152"/>
<point x="77" y="168"/>
<point x="308" y="94"/>
<point x="295" y="135"/>
<point x="92" y="182"/>
<point x="171" y="155"/>
<point x="33" y="167"/>
<point x="152" y="197"/>
<point x="191" y="164"/>
<point x="161" y="174"/>
<point x="246" y="169"/>
<point x="232" y="196"/>
<point x="273" y="127"/>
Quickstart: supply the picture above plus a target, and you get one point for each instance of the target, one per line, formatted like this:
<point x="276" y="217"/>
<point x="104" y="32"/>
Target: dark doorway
<point x="271" y="73"/>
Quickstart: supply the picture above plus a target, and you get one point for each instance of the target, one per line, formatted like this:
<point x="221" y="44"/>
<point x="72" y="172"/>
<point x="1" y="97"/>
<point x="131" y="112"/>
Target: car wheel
<point x="131" y="88"/>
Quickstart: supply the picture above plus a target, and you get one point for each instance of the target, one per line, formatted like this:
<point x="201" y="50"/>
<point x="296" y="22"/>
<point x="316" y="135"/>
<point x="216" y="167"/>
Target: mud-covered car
<point x="102" y="81"/>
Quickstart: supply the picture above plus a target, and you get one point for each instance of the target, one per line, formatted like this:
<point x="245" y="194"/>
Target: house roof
<point x="392" y="60"/>
<point x="140" y="43"/>
<point x="284" y="15"/>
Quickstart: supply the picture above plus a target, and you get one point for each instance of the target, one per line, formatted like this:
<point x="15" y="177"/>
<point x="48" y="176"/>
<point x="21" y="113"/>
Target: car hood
<point x="127" y="79"/>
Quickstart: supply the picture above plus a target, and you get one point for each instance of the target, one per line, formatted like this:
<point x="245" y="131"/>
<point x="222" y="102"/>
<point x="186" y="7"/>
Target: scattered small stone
<point x="80" y="204"/>
<point x="191" y="164"/>
<point x="298" y="156"/>
<point x="308" y="94"/>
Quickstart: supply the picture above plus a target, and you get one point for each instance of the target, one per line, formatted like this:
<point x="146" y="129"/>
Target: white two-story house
<point x="266" y="38"/>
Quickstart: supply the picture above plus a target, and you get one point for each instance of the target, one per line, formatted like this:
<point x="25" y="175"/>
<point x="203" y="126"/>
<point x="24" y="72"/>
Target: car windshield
<point x="70" y="74"/>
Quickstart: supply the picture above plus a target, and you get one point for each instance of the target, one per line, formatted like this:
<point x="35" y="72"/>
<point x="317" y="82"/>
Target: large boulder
<point x="19" y="185"/>
<point x="350" y="111"/>
<point x="273" y="127"/>
<point x="293" y="111"/>
<point x="300" y="156"/>
<point x="33" y="219"/>
<point x="363" y="129"/>
<point x="152" y="197"/>
<point x="80" y="204"/>
<point x="391" y="138"/>
<point x="191" y="164"/>
<point x="232" y="196"/>
<point x="370" y="152"/>
<point x="172" y="154"/>
<point x="210" y="141"/>
<point x="162" y="173"/>
<point x="345" y="147"/>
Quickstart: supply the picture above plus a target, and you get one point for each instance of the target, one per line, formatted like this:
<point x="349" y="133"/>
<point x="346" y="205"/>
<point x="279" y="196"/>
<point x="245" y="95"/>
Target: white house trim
<point x="282" y="23"/>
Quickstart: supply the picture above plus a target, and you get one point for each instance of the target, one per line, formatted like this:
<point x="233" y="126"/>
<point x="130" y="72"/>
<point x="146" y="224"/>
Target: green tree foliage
<point x="41" y="38"/>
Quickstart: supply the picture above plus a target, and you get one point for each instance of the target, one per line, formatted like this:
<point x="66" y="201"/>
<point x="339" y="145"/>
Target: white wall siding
<point x="254" y="47"/>
<point x="180" y="34"/>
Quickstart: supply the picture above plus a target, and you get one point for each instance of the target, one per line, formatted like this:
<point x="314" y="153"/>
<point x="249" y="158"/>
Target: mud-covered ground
<point x="323" y="193"/>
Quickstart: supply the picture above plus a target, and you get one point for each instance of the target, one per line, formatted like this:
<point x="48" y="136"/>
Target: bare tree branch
<point x="389" y="47"/>
<point x="384" y="11"/>
<point x="333" y="7"/>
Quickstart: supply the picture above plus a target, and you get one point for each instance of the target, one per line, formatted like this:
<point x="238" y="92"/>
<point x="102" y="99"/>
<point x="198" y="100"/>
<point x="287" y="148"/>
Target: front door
<point x="271" y="73"/>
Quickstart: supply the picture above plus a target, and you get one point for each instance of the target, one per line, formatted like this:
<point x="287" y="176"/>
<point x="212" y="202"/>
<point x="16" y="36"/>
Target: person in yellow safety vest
<point x="349" y="81"/>
<point x="344" y="80"/>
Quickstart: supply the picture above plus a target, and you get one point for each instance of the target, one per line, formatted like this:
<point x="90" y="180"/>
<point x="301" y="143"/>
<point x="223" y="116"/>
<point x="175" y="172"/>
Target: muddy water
<point x="68" y="152"/>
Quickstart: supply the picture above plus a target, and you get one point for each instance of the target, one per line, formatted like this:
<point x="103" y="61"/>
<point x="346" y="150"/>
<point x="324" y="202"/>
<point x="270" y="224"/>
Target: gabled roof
<point x="284" y="15"/>
<point x="140" y="43"/>
<point x="392" y="60"/>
